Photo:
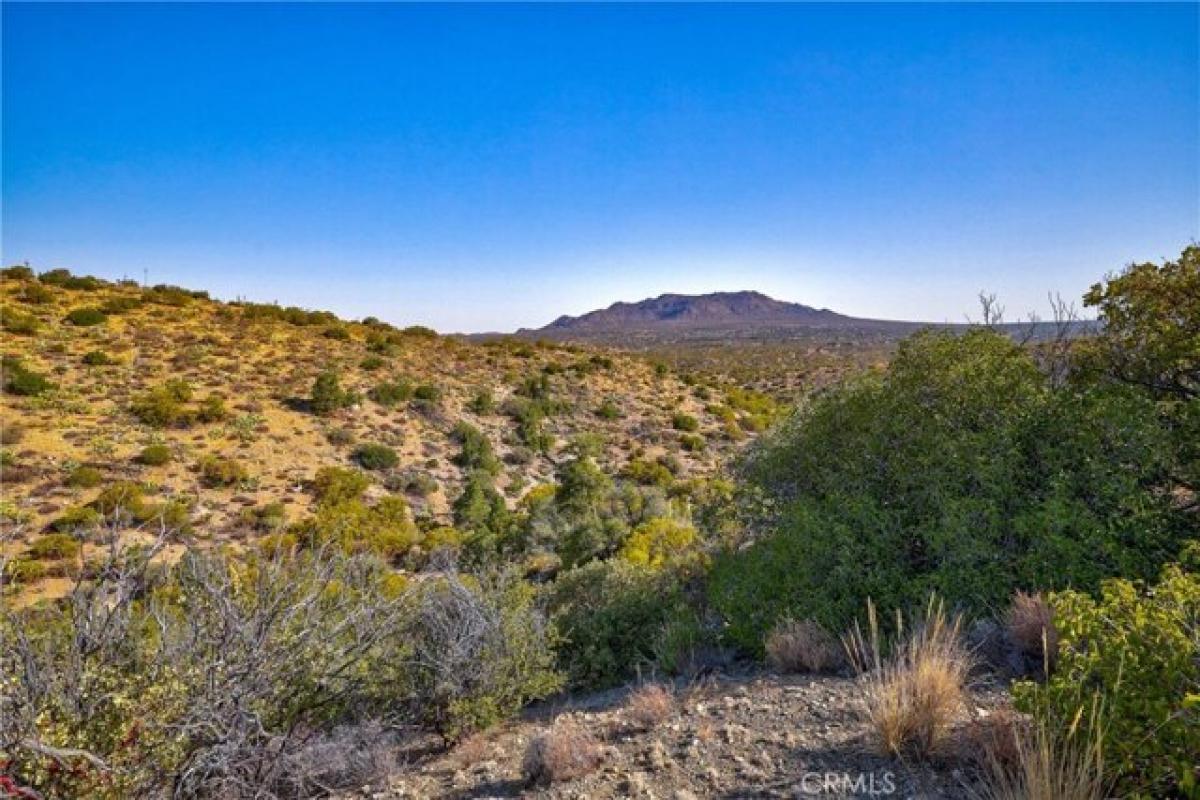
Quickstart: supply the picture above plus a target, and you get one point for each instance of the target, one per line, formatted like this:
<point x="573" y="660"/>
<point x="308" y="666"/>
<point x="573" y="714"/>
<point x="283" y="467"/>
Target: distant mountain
<point x="680" y="313"/>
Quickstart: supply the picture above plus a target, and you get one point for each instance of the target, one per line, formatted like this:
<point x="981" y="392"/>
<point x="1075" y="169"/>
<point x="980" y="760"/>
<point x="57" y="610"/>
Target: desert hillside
<point x="110" y="355"/>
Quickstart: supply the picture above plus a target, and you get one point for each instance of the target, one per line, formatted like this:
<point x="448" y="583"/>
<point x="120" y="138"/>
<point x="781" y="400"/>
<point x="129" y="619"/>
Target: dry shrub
<point x="992" y="740"/>
<point x="913" y="693"/>
<point x="1049" y="765"/>
<point x="649" y="705"/>
<point x="563" y="752"/>
<point x="1030" y="626"/>
<point x="802" y="646"/>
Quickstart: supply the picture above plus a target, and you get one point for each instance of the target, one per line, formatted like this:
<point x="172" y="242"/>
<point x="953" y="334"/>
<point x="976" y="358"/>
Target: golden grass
<point x="1050" y="765"/>
<point x="650" y="705"/>
<point x="914" y="691"/>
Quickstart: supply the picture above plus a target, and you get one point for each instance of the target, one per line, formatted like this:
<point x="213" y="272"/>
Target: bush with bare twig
<point x="650" y="705"/>
<point x="1029" y="623"/>
<point x="563" y="752"/>
<point x="802" y="646"/>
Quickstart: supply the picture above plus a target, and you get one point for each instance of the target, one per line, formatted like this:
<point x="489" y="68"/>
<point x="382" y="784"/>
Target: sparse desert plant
<point x="376" y="456"/>
<point x="154" y="455"/>
<point x="914" y="684"/>
<point x="803" y="646"/>
<point x="18" y="322"/>
<point x="608" y="409"/>
<point x="389" y="393"/>
<point x="328" y="395"/>
<point x="1029" y="623"/>
<point x="165" y="405"/>
<point x="427" y="392"/>
<point x="217" y="471"/>
<point x="372" y="363"/>
<point x="22" y="381"/>
<point x="684" y="422"/>
<point x="97" y="358"/>
<point x="86" y="317"/>
<point x="483" y="402"/>
<point x="650" y="705"/>
<point x="692" y="442"/>
<point x="85" y="477"/>
<point x="55" y="546"/>
<point x="333" y="485"/>
<point x="476" y="452"/>
<point x="11" y="432"/>
<point x="563" y="752"/>
<point x="77" y="518"/>
<point x="212" y="409"/>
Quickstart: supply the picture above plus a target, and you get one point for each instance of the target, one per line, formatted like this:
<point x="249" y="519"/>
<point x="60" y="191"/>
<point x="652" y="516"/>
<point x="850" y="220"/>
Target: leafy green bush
<point x="85" y="477"/>
<point x="608" y="409"/>
<point x="217" y="471"/>
<point x="333" y="485"/>
<point x="372" y="363"/>
<point x="1139" y="650"/>
<point x="684" y="422"/>
<point x="77" y="518"/>
<point x="661" y="542"/>
<point x="164" y="405"/>
<point x="55" y="546"/>
<point x="86" y="317"/>
<point x="389" y="393"/>
<point x="212" y="409"/>
<point x="692" y="442"/>
<point x="20" y="380"/>
<point x="385" y="529"/>
<point x="22" y="324"/>
<point x="958" y="471"/>
<point x="120" y="305"/>
<point x="154" y="455"/>
<point x="482" y="403"/>
<point x="36" y="294"/>
<point x="476" y="452"/>
<point x="328" y="395"/>
<point x="376" y="456"/>
<point x="610" y="615"/>
<point x="427" y="392"/>
<point x="97" y="358"/>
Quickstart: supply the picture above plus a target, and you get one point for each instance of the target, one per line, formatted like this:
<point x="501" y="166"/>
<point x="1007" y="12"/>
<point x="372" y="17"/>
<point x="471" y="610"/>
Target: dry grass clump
<point x="913" y="693"/>
<point x="802" y="646"/>
<point x="650" y="705"/>
<point x="993" y="740"/>
<point x="563" y="752"/>
<point x="1030" y="626"/>
<point x="1049" y="765"/>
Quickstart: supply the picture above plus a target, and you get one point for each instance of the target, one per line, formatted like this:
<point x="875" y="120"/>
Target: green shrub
<point x="85" y="477"/>
<point x="217" y="471"/>
<point x="610" y="615"/>
<point x="339" y="332"/>
<point x="270" y="518"/>
<point x="648" y="473"/>
<point x="124" y="498"/>
<point x="608" y="410"/>
<point x="212" y="409"/>
<point x="77" y="518"/>
<point x="958" y="471"/>
<point x="661" y="542"/>
<point x="120" y="305"/>
<point x="20" y="380"/>
<point x="692" y="442"/>
<point x="333" y="485"/>
<point x="385" y="529"/>
<point x="55" y="546"/>
<point x="86" y="317"/>
<point x="482" y="403"/>
<point x="684" y="422"/>
<point x="14" y="321"/>
<point x="372" y="363"/>
<point x="328" y="395"/>
<point x="17" y="272"/>
<point x="25" y="571"/>
<point x="428" y="393"/>
<point x="155" y="455"/>
<point x="1139" y="650"/>
<point x="389" y="393"/>
<point x="165" y="405"/>
<point x="97" y="358"/>
<point x="375" y="456"/>
<point x="476" y="452"/>
<point x="36" y="294"/>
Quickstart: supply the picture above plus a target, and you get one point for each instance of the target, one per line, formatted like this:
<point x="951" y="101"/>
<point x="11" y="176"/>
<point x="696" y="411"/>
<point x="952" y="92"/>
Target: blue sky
<point x="487" y="167"/>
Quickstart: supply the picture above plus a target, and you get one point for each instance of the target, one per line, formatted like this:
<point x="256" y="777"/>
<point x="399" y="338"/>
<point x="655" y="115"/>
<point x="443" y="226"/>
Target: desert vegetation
<point x="261" y="551"/>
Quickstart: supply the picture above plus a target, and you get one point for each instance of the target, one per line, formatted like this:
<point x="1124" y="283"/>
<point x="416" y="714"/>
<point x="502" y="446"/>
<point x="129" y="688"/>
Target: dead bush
<point x="1030" y="626"/>
<point x="1049" y="765"/>
<point x="992" y="740"/>
<point x="650" y="705"/>
<point x="802" y="646"/>
<point x="915" y="684"/>
<point x="563" y="752"/>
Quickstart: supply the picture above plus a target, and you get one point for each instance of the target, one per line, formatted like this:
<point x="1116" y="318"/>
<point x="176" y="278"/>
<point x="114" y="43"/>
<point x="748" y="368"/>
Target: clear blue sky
<point x="485" y="167"/>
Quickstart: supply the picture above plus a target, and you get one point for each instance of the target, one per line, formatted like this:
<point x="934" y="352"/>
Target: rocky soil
<point x="755" y="735"/>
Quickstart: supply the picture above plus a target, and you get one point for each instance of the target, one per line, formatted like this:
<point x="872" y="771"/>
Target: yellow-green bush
<point x="661" y="542"/>
<point x="1138" y="648"/>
